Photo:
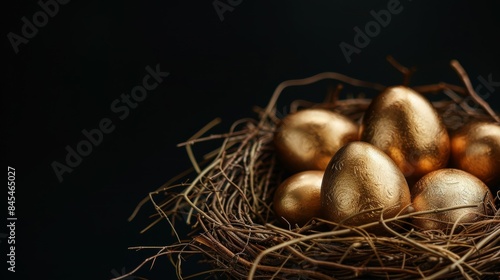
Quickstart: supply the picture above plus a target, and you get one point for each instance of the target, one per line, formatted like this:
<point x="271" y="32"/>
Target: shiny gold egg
<point x="475" y="148"/>
<point x="307" y="139"/>
<point x="405" y="125"/>
<point x="361" y="177"/>
<point x="446" y="188"/>
<point x="296" y="200"/>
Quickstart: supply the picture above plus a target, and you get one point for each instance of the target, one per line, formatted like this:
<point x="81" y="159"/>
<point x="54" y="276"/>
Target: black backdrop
<point x="65" y="77"/>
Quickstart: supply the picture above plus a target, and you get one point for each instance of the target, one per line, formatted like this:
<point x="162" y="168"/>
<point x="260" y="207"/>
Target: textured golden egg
<point x="361" y="177"/>
<point x="446" y="188"/>
<point x="296" y="200"/>
<point x="475" y="148"/>
<point x="405" y="125"/>
<point x="307" y="139"/>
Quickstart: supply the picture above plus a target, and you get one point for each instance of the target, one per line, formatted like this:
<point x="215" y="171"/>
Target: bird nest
<point x="226" y="199"/>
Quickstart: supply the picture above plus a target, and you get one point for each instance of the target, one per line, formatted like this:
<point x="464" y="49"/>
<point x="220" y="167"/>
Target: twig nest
<point x="406" y="126"/>
<point x="361" y="178"/>
<point x="447" y="188"/>
<point x="362" y="187"/>
<point x="307" y="139"/>
<point x="475" y="148"/>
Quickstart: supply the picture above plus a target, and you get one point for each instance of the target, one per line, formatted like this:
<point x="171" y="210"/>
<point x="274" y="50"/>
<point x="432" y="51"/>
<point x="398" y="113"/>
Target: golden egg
<point x="446" y="188"/>
<point x="296" y="200"/>
<point x="307" y="139"/>
<point x="361" y="177"/>
<point x="475" y="148"/>
<point x="405" y="125"/>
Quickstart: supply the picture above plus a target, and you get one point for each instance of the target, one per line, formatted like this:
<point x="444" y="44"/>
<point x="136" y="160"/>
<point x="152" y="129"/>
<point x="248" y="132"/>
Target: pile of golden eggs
<point x="399" y="159"/>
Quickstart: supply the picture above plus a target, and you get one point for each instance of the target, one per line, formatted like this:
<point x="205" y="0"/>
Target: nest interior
<point x="226" y="199"/>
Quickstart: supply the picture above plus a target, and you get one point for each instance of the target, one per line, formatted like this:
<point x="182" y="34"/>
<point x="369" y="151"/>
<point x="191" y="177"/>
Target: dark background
<point x="65" y="78"/>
